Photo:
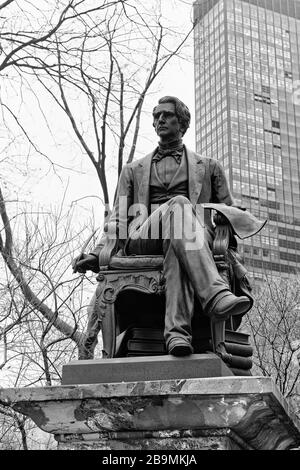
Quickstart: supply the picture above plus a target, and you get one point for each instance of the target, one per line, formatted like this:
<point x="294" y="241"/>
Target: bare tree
<point x="26" y="27"/>
<point x="39" y="280"/>
<point x="274" y="324"/>
<point x="12" y="430"/>
<point x="33" y="347"/>
<point x="18" y="432"/>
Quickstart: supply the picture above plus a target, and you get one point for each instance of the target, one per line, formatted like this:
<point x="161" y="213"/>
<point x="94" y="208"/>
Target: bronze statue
<point x="159" y="210"/>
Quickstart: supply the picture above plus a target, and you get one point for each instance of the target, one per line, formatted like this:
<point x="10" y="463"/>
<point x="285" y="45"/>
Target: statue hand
<point x="84" y="262"/>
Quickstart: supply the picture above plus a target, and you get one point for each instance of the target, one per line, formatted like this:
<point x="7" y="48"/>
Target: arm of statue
<point x="244" y="224"/>
<point x="115" y="230"/>
<point x="85" y="262"/>
<point x="220" y="187"/>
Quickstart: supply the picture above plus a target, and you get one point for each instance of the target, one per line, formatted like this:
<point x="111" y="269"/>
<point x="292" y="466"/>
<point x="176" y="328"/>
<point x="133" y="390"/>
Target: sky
<point x="178" y="77"/>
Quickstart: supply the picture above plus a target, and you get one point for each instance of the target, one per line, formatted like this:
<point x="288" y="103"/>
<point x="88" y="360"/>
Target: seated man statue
<point x="163" y="194"/>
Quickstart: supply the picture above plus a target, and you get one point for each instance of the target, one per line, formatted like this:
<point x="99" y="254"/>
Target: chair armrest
<point x="224" y="236"/>
<point x="136" y="262"/>
<point x="110" y="244"/>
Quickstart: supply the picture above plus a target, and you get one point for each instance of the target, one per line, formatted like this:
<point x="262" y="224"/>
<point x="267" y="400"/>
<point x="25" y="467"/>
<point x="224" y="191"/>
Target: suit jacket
<point x="206" y="183"/>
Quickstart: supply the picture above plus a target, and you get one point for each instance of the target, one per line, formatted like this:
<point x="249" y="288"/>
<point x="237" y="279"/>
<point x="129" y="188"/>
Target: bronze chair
<point x="130" y="296"/>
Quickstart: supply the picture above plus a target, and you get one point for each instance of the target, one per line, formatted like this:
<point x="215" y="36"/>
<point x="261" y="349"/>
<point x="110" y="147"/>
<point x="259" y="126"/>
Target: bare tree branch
<point x="6" y="252"/>
<point x="5" y="4"/>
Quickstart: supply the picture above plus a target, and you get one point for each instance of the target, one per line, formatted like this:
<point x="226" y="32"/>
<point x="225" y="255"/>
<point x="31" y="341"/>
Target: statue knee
<point x="179" y="200"/>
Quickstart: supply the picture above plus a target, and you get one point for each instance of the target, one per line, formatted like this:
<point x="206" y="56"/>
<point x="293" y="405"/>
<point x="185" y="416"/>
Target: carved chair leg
<point x="86" y="350"/>
<point x="218" y="337"/>
<point x="109" y="326"/>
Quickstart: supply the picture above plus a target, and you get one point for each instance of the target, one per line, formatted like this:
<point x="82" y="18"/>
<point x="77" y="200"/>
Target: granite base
<point x="201" y="413"/>
<point x="145" y="368"/>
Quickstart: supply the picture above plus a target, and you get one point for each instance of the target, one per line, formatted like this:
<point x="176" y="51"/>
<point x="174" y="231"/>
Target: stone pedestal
<point x="174" y="414"/>
<point x="144" y="368"/>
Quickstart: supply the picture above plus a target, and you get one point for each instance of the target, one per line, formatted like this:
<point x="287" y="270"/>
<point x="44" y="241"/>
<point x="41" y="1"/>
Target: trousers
<point x="178" y="232"/>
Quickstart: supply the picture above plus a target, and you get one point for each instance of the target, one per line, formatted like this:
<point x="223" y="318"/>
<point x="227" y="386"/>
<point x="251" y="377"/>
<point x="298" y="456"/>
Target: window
<point x="265" y="89"/>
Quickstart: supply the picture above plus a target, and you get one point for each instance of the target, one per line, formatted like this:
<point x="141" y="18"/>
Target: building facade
<point x="247" y="85"/>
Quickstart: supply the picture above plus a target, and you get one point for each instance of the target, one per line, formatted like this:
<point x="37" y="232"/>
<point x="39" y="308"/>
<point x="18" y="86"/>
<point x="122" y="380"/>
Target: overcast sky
<point x="178" y="77"/>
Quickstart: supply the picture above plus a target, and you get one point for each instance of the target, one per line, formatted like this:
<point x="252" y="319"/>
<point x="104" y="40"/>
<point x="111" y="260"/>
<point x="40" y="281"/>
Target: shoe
<point x="226" y="304"/>
<point x="180" y="347"/>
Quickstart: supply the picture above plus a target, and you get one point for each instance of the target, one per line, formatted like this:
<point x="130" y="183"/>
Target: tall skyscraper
<point x="247" y="72"/>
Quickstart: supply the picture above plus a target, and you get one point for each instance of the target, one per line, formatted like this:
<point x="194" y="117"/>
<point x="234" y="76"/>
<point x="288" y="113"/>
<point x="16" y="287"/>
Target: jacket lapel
<point x="196" y="171"/>
<point x="143" y="179"/>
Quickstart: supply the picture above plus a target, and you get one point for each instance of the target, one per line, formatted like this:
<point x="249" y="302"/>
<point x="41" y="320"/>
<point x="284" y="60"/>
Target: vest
<point x="160" y="192"/>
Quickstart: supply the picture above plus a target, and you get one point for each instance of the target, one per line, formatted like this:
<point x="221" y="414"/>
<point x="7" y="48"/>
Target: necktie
<point x="175" y="152"/>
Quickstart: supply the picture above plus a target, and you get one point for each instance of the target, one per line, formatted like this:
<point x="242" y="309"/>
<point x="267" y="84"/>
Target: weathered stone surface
<point x="139" y="369"/>
<point x="212" y="440"/>
<point x="134" y="413"/>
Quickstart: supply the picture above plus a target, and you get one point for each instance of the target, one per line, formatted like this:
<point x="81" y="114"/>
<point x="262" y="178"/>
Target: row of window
<point x="293" y="245"/>
<point x="289" y="232"/>
<point x="263" y="22"/>
<point x="275" y="217"/>
<point x="263" y="179"/>
<point x="278" y="38"/>
<point x="207" y="35"/>
<point x="272" y="142"/>
<point x="262" y="14"/>
<point x="211" y="50"/>
<point x="288" y="126"/>
<point x="241" y="80"/>
<point x="263" y="38"/>
<point x="257" y="24"/>
<point x="253" y="154"/>
<point x="250" y="69"/>
<point x="270" y="266"/>
<point x="243" y="188"/>
<point x="268" y="170"/>
<point x="251" y="40"/>
<point x="262" y="61"/>
<point x="289" y="256"/>
<point x="213" y="14"/>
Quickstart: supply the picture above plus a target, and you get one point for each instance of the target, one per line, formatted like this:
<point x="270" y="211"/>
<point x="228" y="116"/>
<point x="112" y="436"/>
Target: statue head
<point x="172" y="104"/>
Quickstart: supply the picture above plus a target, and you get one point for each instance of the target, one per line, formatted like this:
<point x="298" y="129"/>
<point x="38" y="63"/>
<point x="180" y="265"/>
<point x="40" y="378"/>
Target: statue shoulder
<point x="142" y="161"/>
<point x="213" y="163"/>
<point x="198" y="156"/>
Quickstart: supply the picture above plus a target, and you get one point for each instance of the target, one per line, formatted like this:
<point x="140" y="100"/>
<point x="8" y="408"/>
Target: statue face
<point x="166" y="122"/>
